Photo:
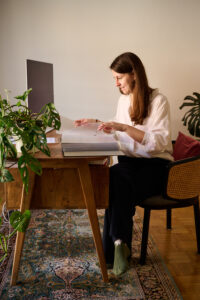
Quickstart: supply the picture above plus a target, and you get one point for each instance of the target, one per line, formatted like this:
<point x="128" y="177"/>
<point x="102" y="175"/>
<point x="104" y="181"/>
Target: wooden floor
<point x="178" y="249"/>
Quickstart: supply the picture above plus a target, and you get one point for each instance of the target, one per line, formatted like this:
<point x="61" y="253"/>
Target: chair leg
<point x="169" y="218"/>
<point x="145" y="233"/>
<point x="197" y="224"/>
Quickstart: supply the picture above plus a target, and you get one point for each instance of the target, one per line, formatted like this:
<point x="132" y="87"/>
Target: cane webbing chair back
<point x="184" y="179"/>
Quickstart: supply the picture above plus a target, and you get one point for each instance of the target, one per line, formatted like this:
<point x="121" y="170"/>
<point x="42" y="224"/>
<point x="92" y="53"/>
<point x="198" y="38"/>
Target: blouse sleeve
<point x="157" y="137"/>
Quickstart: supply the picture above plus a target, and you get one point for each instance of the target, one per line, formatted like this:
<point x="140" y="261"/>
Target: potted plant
<point x="18" y="121"/>
<point x="191" y="118"/>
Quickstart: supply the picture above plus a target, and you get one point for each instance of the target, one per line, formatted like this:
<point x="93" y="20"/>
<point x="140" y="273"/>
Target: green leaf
<point x="32" y="162"/>
<point x="186" y="104"/>
<point x="35" y="166"/>
<point x="3" y="257"/>
<point x="190" y="98"/>
<point x="197" y="95"/>
<point x="196" y="126"/>
<point x="191" y="118"/>
<point x="27" y="160"/>
<point x="197" y="133"/>
<point x="24" y="96"/>
<point x="190" y="113"/>
<point x="3" y="244"/>
<point x="5" y="176"/>
<point x="20" y="221"/>
<point x="10" y="147"/>
<point x="191" y="121"/>
<point x="41" y="143"/>
<point x="50" y="116"/>
<point x="191" y="125"/>
<point x="5" y="102"/>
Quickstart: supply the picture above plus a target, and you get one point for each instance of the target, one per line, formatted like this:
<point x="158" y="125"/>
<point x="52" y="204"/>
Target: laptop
<point x="40" y="79"/>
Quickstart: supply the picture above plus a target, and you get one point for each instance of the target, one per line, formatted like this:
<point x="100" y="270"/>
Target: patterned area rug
<point x="59" y="261"/>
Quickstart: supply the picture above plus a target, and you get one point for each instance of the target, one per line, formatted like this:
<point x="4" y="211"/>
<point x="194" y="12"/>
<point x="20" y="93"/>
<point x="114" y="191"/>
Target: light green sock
<point x="121" y="254"/>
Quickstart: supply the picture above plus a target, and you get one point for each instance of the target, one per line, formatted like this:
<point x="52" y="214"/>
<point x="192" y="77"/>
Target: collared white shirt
<point x="157" y="138"/>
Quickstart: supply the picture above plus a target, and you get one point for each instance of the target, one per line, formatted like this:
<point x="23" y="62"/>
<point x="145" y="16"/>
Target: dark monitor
<point x="40" y="79"/>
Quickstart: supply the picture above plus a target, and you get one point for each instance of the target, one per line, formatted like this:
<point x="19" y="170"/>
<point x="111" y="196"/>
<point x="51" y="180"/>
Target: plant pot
<point x="19" y="144"/>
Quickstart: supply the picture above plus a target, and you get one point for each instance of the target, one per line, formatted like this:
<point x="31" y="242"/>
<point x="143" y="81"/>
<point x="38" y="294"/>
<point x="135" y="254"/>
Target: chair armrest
<point x="182" y="161"/>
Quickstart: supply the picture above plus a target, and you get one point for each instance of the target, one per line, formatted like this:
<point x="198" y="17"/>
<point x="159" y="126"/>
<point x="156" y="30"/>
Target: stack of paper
<point x="86" y="140"/>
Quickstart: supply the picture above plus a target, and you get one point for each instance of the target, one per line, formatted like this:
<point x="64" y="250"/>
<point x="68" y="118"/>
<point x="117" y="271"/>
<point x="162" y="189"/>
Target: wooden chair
<point x="182" y="189"/>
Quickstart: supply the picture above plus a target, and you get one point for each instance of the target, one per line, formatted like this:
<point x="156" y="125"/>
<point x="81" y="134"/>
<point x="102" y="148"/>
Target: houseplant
<point x="191" y="118"/>
<point x="19" y="221"/>
<point x="18" y="121"/>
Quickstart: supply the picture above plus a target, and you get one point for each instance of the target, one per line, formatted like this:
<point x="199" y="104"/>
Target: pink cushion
<point x="185" y="147"/>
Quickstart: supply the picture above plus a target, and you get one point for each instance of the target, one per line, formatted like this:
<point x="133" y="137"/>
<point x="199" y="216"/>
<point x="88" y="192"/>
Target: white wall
<point x="82" y="37"/>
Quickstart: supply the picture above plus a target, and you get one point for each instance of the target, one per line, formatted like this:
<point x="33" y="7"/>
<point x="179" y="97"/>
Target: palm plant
<point x="191" y="118"/>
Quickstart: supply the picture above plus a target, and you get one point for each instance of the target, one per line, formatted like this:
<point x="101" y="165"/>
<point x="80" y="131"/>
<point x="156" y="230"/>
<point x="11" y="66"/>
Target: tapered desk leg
<point x="25" y="204"/>
<point x="17" y="256"/>
<point x="88" y="193"/>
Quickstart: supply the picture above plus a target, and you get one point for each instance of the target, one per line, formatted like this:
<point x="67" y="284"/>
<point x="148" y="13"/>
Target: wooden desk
<point x="65" y="183"/>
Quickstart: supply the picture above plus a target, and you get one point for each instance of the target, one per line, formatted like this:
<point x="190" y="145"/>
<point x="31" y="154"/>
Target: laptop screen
<point x="40" y="79"/>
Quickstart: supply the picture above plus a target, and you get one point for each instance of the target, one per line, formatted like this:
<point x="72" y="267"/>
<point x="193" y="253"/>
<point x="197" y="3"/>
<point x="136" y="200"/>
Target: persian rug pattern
<point x="59" y="261"/>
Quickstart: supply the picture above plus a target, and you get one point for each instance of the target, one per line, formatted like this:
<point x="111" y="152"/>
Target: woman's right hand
<point x="84" y="122"/>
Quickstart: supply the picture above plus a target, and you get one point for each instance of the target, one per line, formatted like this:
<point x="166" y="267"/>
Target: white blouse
<point x="157" y="138"/>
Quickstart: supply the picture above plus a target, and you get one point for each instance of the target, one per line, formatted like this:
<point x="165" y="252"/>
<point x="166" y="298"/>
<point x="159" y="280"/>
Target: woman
<point x="142" y="127"/>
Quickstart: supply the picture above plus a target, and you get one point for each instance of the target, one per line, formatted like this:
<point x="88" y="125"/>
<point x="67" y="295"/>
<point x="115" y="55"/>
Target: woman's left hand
<point x="109" y="127"/>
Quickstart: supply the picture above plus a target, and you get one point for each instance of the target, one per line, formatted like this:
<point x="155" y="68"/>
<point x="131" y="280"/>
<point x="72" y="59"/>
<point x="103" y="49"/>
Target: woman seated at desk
<point x="142" y="126"/>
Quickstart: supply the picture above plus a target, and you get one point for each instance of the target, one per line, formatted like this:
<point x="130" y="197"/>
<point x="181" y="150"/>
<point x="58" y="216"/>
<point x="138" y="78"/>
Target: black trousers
<point x="131" y="181"/>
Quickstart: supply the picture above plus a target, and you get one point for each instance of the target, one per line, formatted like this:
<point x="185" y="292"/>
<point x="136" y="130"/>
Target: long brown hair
<point x="130" y="63"/>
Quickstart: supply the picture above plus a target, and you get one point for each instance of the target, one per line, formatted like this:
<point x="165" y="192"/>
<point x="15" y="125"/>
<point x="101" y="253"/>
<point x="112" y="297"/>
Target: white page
<point x="51" y="140"/>
<point x="87" y="134"/>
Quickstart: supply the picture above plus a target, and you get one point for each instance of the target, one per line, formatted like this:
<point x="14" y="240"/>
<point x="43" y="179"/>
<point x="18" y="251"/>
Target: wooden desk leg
<point x="25" y="204"/>
<point x="88" y="193"/>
